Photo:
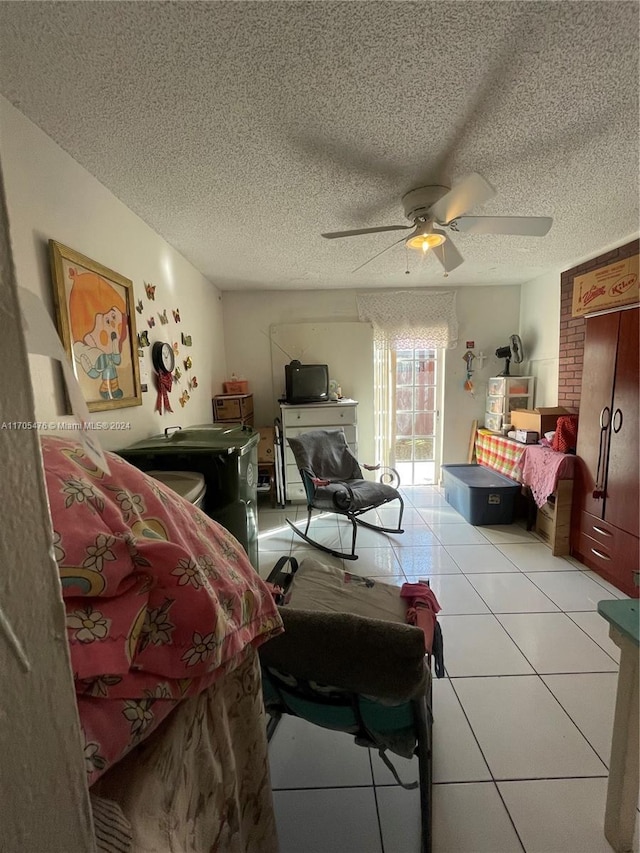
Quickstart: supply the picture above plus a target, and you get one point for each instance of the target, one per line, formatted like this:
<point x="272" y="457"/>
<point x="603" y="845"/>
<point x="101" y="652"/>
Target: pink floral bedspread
<point x="160" y="600"/>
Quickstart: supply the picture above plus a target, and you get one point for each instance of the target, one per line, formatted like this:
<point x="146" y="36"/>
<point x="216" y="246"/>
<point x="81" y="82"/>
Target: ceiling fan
<point x="429" y="206"/>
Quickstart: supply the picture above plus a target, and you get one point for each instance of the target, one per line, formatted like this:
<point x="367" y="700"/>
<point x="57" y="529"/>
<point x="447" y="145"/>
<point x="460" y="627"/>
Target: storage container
<point x="235" y="386"/>
<point x="506" y="393"/>
<point x="493" y="421"/>
<point x="480" y="495"/>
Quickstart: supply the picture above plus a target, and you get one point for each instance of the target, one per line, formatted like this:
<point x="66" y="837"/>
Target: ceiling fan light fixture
<point x="422" y="240"/>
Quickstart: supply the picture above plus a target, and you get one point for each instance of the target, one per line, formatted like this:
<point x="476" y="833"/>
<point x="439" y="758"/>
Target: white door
<point x="416" y="441"/>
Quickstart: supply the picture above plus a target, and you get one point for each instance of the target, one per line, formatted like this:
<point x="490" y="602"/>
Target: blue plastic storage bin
<point x="481" y="495"/>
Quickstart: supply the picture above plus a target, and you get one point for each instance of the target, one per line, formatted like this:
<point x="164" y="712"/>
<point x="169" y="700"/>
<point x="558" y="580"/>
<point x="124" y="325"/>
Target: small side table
<point x="622" y="789"/>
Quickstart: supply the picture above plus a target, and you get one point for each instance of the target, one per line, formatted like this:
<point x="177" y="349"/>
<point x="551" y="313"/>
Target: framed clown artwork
<point x="95" y="311"/>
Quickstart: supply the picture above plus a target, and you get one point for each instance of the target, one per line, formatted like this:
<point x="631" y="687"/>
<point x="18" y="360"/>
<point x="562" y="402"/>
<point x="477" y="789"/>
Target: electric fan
<point x="511" y="352"/>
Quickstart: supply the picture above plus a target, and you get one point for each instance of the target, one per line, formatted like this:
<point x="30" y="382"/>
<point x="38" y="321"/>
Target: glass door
<point x="417" y="416"/>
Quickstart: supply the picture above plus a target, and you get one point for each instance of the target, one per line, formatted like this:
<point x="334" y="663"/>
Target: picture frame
<point x="95" y="313"/>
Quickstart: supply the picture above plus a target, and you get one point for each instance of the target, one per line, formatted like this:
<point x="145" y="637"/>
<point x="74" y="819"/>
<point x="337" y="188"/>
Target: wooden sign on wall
<point x="608" y="287"/>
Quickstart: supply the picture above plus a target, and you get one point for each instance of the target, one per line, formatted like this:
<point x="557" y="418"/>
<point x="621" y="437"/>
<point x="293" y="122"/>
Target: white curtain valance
<point x="411" y="319"/>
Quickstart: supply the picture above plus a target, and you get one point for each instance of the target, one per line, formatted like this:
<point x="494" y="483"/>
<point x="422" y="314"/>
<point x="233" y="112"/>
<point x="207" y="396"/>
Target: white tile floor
<point x="522" y="721"/>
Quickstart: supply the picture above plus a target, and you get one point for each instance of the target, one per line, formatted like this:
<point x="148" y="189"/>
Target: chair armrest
<point x="389" y="476"/>
<point x="366" y="656"/>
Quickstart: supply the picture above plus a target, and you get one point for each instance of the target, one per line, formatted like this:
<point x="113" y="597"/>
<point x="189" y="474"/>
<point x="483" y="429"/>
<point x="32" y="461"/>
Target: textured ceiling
<point x="239" y="131"/>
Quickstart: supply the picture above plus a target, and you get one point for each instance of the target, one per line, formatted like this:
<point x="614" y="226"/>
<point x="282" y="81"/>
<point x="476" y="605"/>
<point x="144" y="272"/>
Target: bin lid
<point x="203" y="438"/>
<point x="189" y="484"/>
<point x="477" y="476"/>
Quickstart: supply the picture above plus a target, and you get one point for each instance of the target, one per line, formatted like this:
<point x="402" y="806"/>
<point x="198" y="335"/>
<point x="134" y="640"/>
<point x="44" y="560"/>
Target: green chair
<point x="348" y="661"/>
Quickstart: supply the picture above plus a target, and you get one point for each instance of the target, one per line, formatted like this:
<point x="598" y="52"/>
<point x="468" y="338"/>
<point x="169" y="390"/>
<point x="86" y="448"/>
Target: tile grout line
<point x="589" y="635"/>
<point x="514" y="641"/>
<point x="592" y="748"/>
<point x="375" y="798"/>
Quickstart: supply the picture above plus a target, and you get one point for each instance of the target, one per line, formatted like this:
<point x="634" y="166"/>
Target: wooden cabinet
<point x="605" y="524"/>
<point x="307" y="417"/>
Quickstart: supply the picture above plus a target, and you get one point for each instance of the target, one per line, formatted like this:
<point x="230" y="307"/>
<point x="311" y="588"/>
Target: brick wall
<point x="572" y="329"/>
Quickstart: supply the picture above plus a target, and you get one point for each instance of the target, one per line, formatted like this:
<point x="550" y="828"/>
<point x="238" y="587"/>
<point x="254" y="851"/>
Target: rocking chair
<point x="333" y="482"/>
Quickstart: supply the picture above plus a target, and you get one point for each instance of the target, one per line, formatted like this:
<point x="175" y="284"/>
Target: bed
<point x="164" y="614"/>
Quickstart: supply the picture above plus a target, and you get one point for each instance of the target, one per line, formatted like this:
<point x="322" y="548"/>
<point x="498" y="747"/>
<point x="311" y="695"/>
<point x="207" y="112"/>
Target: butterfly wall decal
<point x="193" y="383"/>
<point x="184" y="398"/>
<point x="143" y="339"/>
<point x="188" y="364"/>
<point x="186" y="340"/>
<point x="139" y="306"/>
<point x="177" y="373"/>
<point x="176" y="315"/>
<point x="176" y="348"/>
<point x="151" y="322"/>
<point x="163" y="317"/>
<point x="151" y="291"/>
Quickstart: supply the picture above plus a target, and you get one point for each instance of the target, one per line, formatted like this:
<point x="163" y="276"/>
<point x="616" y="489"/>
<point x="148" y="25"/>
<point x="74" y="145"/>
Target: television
<point x="306" y="383"/>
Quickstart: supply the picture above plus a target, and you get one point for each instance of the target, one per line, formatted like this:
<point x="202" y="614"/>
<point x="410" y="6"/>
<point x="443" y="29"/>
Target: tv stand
<point x="305" y="417"/>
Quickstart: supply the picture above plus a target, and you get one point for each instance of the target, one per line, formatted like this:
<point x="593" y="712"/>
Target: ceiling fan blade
<point x="448" y="255"/>
<point x="395" y="243"/>
<point x="333" y="234"/>
<point x="526" y="226"/>
<point x="472" y="191"/>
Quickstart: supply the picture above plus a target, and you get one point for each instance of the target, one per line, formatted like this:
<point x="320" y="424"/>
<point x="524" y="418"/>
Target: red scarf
<point x="165" y="381"/>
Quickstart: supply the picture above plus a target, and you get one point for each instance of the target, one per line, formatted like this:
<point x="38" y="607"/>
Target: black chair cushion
<point x="364" y="493"/>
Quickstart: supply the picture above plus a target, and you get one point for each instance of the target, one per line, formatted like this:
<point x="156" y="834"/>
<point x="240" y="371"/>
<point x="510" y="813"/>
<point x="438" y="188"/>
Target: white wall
<point x="486" y="315"/>
<point x="540" y="333"/>
<point x="50" y="196"/>
<point x="43" y="786"/>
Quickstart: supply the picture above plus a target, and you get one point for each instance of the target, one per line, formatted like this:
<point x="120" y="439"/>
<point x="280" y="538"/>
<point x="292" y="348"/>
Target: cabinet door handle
<point x="600" y="554"/>
<point x="605" y="420"/>
<point x="600" y="530"/>
<point x="615" y="428"/>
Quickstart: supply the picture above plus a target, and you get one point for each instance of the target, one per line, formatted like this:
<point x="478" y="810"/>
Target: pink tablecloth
<point x="541" y="469"/>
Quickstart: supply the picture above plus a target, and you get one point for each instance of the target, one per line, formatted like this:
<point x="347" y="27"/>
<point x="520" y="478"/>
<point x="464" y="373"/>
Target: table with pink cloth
<point x="534" y="465"/>
<point x="541" y="468"/>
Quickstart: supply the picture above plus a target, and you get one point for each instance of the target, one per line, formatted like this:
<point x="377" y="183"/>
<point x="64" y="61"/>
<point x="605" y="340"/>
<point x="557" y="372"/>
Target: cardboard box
<point x="538" y="420"/>
<point x="266" y="451"/>
<point x="553" y="520"/>
<point x="526" y="436"/>
<point x="234" y="408"/>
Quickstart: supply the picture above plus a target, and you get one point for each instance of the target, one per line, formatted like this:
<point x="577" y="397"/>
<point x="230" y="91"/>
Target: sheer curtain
<point x="407" y="319"/>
